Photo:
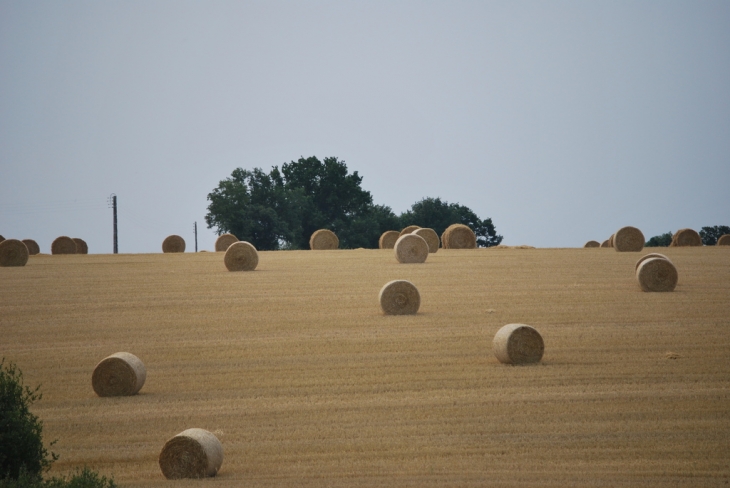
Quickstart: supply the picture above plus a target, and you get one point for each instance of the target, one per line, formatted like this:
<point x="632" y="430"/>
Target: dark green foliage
<point x="84" y="478"/>
<point x="21" y="438"/>
<point x="663" y="240"/>
<point x="710" y="235"/>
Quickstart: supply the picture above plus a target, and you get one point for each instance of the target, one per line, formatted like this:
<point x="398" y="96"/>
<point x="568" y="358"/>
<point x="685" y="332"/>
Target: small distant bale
<point x="431" y="238"/>
<point x="724" y="240"/>
<point x="2" y="238"/>
<point x="13" y="253"/>
<point x="223" y="241"/>
<point x="628" y="239"/>
<point x="657" y="274"/>
<point x="193" y="453"/>
<point x="458" y="236"/>
<point x="605" y="243"/>
<point x="121" y="374"/>
<point x="686" y="238"/>
<point x="63" y="245"/>
<point x="649" y="256"/>
<point x="33" y="247"/>
<point x="81" y="246"/>
<point x="399" y="297"/>
<point x="592" y="244"/>
<point x="411" y="248"/>
<point x="408" y="230"/>
<point x="241" y="256"/>
<point x="388" y="238"/>
<point x="610" y="240"/>
<point x="518" y="344"/>
<point x="173" y="243"/>
<point x="323" y="240"/>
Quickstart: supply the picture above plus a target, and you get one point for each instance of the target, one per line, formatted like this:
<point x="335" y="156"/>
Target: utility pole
<point x="113" y="203"/>
<point x="195" y="229"/>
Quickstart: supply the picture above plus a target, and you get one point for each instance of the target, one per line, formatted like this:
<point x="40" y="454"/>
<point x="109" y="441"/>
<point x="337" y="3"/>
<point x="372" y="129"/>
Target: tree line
<point x="282" y="208"/>
<point x="709" y="236"/>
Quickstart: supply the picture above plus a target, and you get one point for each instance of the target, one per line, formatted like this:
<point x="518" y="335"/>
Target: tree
<point x="663" y="240"/>
<point x="710" y="235"/>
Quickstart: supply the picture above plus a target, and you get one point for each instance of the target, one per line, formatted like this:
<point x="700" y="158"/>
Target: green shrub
<point x="84" y="478"/>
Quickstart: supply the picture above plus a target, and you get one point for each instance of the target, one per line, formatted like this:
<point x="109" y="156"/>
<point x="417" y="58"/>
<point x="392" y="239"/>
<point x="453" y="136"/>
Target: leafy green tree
<point x="710" y="235"/>
<point x="663" y="240"/>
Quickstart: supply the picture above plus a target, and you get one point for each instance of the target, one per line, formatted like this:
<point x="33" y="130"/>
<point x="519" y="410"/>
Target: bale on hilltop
<point x="193" y="453"/>
<point x="173" y="243"/>
<point x="657" y="274"/>
<point x="2" y="238"/>
<point x="323" y="240"/>
<point x="431" y="238"/>
<point x="223" y="241"/>
<point x="408" y="230"/>
<point x="724" y="240"/>
<point x="387" y="239"/>
<point x="605" y="243"/>
<point x="686" y="238"/>
<point x="649" y="256"/>
<point x="518" y="344"/>
<point x="33" y="247"/>
<point x="458" y="236"/>
<point x="399" y="297"/>
<point x="610" y="240"/>
<point x="241" y="256"/>
<point x="13" y="253"/>
<point x="628" y="239"/>
<point x="121" y="374"/>
<point x="63" y="245"/>
<point x="411" y="248"/>
<point x="81" y="246"/>
<point x="592" y="244"/>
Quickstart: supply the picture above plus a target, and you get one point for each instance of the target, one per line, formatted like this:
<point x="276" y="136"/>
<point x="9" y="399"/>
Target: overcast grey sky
<point x="562" y="121"/>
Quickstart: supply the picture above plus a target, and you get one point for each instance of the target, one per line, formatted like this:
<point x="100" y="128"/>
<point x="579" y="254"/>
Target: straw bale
<point x="459" y="236"/>
<point x="605" y="243"/>
<point x="173" y="243"/>
<point x="724" y="240"/>
<point x="388" y="238"/>
<point x="121" y="374"/>
<point x="399" y="297"/>
<point x="518" y="344"/>
<point x="2" y="238"/>
<point x="323" y="239"/>
<point x="610" y="240"/>
<point x="81" y="247"/>
<point x="649" y="256"/>
<point x="63" y="245"/>
<point x="592" y="244"/>
<point x="241" y="256"/>
<point x="431" y="238"/>
<point x="657" y="274"/>
<point x="223" y="241"/>
<point x="686" y="237"/>
<point x="411" y="248"/>
<point x="33" y="247"/>
<point x="409" y="230"/>
<point x="13" y="253"/>
<point x="628" y="239"/>
<point x="193" y="453"/>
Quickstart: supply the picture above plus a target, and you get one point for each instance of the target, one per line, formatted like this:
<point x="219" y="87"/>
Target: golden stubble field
<point x="306" y="383"/>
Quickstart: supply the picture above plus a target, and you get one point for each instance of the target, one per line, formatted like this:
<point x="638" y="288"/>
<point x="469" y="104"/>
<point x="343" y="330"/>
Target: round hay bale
<point x="81" y="247"/>
<point x="685" y="238"/>
<point x="408" y="230"/>
<point x="193" y="453"/>
<point x="241" y="256"/>
<point x="459" y="236"/>
<point x="63" y="245"/>
<point x="33" y="247"/>
<point x="323" y="239"/>
<point x="649" y="256"/>
<point x="518" y="344"/>
<point x="173" y="243"/>
<point x="399" y="297"/>
<point x="657" y="274"/>
<point x="724" y="240"/>
<point x="411" y="248"/>
<point x="610" y="240"/>
<point x="388" y="238"/>
<point x="605" y="243"/>
<point x="223" y="241"/>
<point x="592" y="244"/>
<point x="628" y="239"/>
<point x="121" y="374"/>
<point x="13" y="253"/>
<point x="2" y="238"/>
<point x="431" y="238"/>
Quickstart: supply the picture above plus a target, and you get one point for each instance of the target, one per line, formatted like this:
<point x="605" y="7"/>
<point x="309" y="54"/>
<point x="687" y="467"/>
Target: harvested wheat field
<point x="305" y="382"/>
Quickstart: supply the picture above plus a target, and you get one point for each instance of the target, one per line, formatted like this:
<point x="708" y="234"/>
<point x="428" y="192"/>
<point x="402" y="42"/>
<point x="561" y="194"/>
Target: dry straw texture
<point x="605" y="243"/>
<point x="399" y="297"/>
<point x="686" y="237"/>
<point x="173" y="243"/>
<point x="518" y="344"/>
<point x="388" y="238"/>
<point x="323" y="239"/>
<point x="458" y="236"/>
<point x="121" y="374"/>
<point x="241" y="256"/>
<point x="628" y="239"/>
<point x="81" y="246"/>
<point x="649" y="256"/>
<point x="223" y="241"/>
<point x="411" y="248"/>
<point x="657" y="274"/>
<point x="592" y="244"/>
<point x="431" y="238"/>
<point x="408" y="230"/>
<point x="611" y="240"/>
<point x="13" y="253"/>
<point x="193" y="453"/>
<point x="724" y="240"/>
<point x="63" y="245"/>
<point x="33" y="247"/>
